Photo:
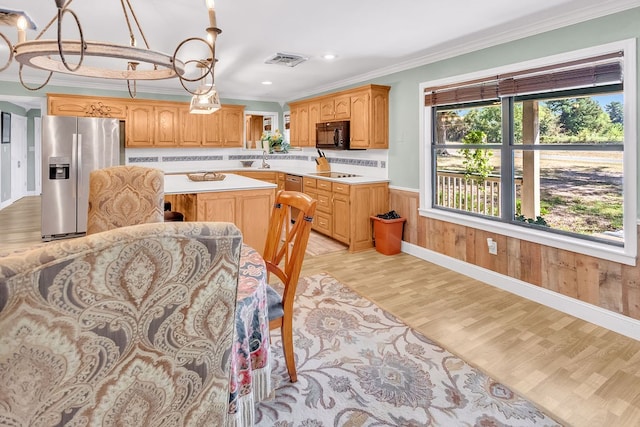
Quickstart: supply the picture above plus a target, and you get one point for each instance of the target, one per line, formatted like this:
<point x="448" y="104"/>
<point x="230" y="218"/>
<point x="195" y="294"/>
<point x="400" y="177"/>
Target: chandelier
<point x="205" y="99"/>
<point x="58" y="55"/>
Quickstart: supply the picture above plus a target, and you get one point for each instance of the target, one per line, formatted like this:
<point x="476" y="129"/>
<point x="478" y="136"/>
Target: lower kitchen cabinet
<point x="366" y="200"/>
<point x="324" y="207"/>
<point x="343" y="211"/>
<point x="249" y="210"/>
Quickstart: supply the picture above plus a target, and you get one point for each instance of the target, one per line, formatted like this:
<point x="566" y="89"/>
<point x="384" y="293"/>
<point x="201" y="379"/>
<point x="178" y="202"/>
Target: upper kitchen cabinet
<point x="83" y="106"/>
<point x="211" y="129"/>
<point x="172" y="125"/>
<point x="191" y="128"/>
<point x="140" y="125"/>
<point x="167" y="125"/>
<point x="366" y="107"/>
<point x="232" y="125"/>
<point x="152" y="123"/>
<point x="299" y="123"/>
<point x="314" y="119"/>
<point x="369" y="126"/>
<point x="336" y="107"/>
<point x="303" y="119"/>
<point x="224" y="128"/>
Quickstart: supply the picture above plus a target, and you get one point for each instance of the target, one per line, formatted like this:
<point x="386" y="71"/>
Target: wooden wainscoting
<point x="606" y="284"/>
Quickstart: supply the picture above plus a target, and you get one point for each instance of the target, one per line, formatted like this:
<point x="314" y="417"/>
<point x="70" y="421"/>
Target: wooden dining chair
<point x="124" y="195"/>
<point x="283" y="255"/>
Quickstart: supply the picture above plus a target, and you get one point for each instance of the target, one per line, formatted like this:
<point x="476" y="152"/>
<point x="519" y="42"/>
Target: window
<point x="542" y="151"/>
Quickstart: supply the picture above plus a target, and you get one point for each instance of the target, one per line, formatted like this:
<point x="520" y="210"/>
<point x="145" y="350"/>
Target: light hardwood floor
<point x="583" y="374"/>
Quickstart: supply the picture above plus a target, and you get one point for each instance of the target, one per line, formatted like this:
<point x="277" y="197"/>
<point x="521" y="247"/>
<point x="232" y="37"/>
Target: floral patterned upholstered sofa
<point x="129" y="327"/>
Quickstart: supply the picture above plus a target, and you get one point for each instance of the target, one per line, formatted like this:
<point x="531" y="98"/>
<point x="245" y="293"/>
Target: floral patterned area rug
<point x="360" y="366"/>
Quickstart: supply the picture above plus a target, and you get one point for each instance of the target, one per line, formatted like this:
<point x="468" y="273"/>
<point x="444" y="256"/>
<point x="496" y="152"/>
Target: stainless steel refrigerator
<point x="71" y="148"/>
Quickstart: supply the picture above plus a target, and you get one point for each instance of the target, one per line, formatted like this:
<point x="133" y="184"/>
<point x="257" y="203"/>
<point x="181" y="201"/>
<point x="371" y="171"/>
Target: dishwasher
<point x="293" y="183"/>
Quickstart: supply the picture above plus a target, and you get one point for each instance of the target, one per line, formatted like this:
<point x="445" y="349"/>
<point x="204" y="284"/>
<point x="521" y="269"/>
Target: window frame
<point x="624" y="254"/>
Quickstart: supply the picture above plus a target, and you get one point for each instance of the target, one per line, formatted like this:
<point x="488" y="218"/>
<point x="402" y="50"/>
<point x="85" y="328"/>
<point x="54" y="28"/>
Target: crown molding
<point x="552" y="19"/>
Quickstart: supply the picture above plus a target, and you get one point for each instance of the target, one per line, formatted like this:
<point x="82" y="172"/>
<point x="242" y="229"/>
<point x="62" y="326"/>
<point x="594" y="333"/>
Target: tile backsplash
<point x="364" y="162"/>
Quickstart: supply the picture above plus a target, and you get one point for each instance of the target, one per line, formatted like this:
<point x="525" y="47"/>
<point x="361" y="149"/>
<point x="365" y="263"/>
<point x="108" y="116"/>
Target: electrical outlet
<point x="493" y="246"/>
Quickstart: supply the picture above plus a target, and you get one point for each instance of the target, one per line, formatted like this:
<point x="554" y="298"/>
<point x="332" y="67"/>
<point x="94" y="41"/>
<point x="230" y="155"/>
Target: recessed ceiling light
<point x="329" y="56"/>
<point x="266" y="82"/>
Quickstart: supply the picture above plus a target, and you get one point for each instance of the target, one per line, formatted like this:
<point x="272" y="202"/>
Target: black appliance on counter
<point x="333" y="135"/>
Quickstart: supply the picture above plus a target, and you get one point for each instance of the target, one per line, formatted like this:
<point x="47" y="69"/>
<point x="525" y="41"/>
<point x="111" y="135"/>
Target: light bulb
<point x="212" y="14"/>
<point x="22" y="26"/>
<point x="22" y="23"/>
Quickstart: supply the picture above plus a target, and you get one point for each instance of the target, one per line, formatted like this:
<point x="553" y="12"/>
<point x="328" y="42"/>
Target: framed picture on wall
<point x="6" y="128"/>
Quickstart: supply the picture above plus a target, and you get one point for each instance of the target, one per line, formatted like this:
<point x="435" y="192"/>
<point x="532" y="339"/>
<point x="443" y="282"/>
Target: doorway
<point x="19" y="165"/>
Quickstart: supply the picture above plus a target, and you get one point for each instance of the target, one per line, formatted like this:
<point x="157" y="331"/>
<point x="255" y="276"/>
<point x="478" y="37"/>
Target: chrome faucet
<point x="265" y="165"/>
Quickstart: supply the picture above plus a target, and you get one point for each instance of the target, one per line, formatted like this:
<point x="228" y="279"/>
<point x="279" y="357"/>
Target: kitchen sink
<point x="336" y="174"/>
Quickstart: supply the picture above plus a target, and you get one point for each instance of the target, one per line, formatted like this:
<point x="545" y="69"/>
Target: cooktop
<point x="336" y="174"/>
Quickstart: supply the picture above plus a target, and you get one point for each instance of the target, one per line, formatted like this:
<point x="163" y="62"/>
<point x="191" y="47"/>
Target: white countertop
<point x="181" y="184"/>
<point x="360" y="179"/>
<point x="290" y="170"/>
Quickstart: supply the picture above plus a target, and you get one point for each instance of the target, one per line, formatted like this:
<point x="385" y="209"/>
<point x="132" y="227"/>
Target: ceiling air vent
<point x="288" y="59"/>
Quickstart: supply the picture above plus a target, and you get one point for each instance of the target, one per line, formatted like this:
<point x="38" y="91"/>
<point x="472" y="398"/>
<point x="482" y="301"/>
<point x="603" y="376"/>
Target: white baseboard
<point x="599" y="316"/>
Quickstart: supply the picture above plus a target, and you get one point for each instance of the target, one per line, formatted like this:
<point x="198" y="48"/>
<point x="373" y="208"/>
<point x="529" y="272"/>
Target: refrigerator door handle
<point x="74" y="161"/>
<point x="79" y="183"/>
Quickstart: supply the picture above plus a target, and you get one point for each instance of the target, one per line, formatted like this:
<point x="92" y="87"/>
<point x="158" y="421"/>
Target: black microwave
<point x="332" y="135"/>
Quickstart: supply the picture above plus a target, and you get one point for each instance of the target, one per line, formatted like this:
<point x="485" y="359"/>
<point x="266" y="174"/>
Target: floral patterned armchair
<point x="124" y="195"/>
<point x="131" y="326"/>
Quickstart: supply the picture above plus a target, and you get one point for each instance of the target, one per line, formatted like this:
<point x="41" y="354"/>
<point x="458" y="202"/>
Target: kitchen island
<point x="244" y="201"/>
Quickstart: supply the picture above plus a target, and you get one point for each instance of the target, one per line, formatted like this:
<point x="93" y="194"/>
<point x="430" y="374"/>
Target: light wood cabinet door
<point x="366" y="200"/>
<point x="342" y="108"/>
<point x="359" y="126"/>
<point x="191" y="128"/>
<point x="379" y="121"/>
<point x="139" y="129"/>
<point x="253" y="214"/>
<point x="341" y="217"/>
<point x="232" y="126"/>
<point x="212" y="129"/>
<point x="167" y="128"/>
<point x="294" y="126"/>
<point x="314" y="119"/>
<point x="216" y="207"/>
<point x="303" y="130"/>
<point x="327" y="110"/>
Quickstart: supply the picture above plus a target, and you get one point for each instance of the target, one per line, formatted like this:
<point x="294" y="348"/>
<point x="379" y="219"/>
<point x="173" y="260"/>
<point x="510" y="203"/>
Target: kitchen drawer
<point x="323" y="223"/>
<point x="341" y="188"/>
<point x="308" y="183"/>
<point x="324" y="185"/>
<point x="324" y="202"/>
